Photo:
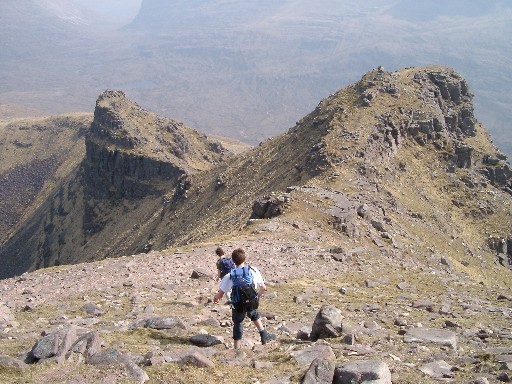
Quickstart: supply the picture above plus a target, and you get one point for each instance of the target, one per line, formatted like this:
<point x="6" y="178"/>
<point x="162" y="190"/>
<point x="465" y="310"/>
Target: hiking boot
<point x="266" y="336"/>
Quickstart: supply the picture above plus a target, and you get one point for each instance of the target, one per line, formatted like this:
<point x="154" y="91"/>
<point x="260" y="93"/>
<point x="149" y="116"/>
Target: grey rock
<point x="431" y="335"/>
<point x="304" y="333"/>
<point x="200" y="274"/>
<point x="8" y="361"/>
<point x="112" y="358"/>
<point x="439" y="369"/>
<point x="152" y="359"/>
<point x="362" y="371"/>
<point x="173" y="324"/>
<point x="480" y="380"/>
<point x="423" y="304"/>
<point x="262" y="364"/>
<point x="363" y="211"/>
<point x="306" y="356"/>
<point x="87" y="345"/>
<point x="499" y="350"/>
<point x="379" y="226"/>
<point x="279" y="380"/>
<point x="6" y="315"/>
<point x="504" y="297"/>
<point x="321" y="371"/>
<point x="46" y="347"/>
<point x="206" y="340"/>
<point x="327" y="323"/>
<point x="197" y="359"/>
<point x="92" y="309"/>
<point x="403" y="285"/>
<point x="210" y="322"/>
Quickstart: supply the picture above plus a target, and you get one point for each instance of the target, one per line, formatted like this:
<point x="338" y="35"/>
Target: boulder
<point x="47" y="347"/>
<point x="197" y="359"/>
<point x="92" y="309"/>
<point x="206" y="340"/>
<point x="327" y="323"/>
<point x="8" y="361"/>
<point x="362" y="371"/>
<point x="321" y="371"/>
<point x="6" y="315"/>
<point x="109" y="357"/>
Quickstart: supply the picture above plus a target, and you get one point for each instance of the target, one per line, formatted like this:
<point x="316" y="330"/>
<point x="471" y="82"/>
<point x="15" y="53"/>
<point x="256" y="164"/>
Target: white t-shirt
<point x="226" y="283"/>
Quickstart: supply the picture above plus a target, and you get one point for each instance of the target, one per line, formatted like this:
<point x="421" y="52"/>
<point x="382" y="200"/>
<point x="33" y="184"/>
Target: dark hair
<point x="238" y="256"/>
<point x="219" y="251"/>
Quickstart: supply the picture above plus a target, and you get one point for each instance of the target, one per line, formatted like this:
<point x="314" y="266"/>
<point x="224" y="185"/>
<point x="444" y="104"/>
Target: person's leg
<point x="264" y="335"/>
<point x="238" y="330"/>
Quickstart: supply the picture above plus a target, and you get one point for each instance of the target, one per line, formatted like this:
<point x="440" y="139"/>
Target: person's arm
<point x="259" y="282"/>
<point x="218" y="296"/>
<point x="224" y="286"/>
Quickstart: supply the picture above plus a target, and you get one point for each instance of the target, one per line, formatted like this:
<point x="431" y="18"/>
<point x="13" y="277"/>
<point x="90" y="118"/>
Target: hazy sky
<point x="115" y="10"/>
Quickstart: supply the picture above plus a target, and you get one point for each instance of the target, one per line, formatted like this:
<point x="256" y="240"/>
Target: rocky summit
<point x="381" y="222"/>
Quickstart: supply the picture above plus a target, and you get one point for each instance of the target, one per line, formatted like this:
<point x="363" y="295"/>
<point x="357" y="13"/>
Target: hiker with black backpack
<point x="224" y="263"/>
<point x="247" y="286"/>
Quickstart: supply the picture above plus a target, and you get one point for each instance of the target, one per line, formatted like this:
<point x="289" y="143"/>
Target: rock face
<point x="129" y="149"/>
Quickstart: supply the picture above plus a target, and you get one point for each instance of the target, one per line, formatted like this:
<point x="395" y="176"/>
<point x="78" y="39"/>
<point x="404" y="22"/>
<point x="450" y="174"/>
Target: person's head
<point x="219" y="252"/>
<point x="238" y="256"/>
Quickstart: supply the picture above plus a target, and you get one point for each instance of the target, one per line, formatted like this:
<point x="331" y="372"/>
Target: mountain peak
<point x="121" y="125"/>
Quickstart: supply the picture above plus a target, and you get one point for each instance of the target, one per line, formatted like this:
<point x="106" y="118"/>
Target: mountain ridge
<point x="190" y="189"/>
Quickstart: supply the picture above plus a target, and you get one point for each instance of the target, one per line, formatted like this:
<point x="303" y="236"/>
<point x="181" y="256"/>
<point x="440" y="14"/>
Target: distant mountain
<point x="246" y="69"/>
<point x="425" y="10"/>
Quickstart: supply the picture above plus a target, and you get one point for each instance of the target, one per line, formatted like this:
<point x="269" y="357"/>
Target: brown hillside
<point x="35" y="154"/>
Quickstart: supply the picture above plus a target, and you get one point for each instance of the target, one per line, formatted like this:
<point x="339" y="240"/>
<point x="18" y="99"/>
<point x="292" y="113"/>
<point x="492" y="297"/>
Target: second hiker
<point x="224" y="263"/>
<point x="247" y="286"/>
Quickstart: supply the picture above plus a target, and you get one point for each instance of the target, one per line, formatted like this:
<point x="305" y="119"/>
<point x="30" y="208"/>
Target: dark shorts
<point x="238" y="319"/>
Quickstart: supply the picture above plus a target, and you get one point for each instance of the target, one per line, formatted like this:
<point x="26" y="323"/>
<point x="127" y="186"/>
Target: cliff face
<point x="131" y="153"/>
<point x="441" y="117"/>
<point x="133" y="159"/>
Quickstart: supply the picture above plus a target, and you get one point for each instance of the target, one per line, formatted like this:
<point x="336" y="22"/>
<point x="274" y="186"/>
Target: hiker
<point x="224" y="263"/>
<point x="241" y="279"/>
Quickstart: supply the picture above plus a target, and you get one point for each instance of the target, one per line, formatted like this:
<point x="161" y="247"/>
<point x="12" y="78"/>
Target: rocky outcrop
<point x="118" y="174"/>
<point x="130" y="152"/>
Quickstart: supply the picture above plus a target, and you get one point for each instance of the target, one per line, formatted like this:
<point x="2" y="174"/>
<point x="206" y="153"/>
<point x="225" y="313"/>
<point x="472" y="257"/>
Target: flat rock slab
<point x="439" y="369"/>
<point x="307" y="355"/>
<point x="174" y="325"/>
<point x="431" y="335"/>
<point x="362" y="371"/>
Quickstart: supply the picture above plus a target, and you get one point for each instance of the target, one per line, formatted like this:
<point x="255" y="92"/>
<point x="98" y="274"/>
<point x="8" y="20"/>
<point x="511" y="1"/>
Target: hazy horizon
<point x="245" y="69"/>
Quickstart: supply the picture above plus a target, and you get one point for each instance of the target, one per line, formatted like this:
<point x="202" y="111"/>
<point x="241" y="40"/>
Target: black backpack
<point x="244" y="296"/>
